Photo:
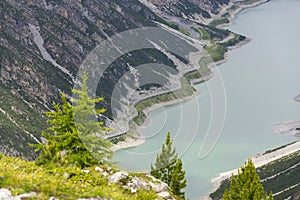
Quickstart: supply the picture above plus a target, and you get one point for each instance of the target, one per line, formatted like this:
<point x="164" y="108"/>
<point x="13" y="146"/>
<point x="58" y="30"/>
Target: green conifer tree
<point x="178" y="181"/>
<point x="73" y="143"/>
<point x="89" y="128"/>
<point x="168" y="168"/>
<point x="246" y="185"/>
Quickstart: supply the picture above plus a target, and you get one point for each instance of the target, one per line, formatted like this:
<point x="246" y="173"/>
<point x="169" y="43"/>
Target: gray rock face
<point x="42" y="46"/>
<point x="159" y="187"/>
<point x="35" y="69"/>
<point x="116" y="177"/>
<point x="297" y="98"/>
<point x="190" y="8"/>
<point x="165" y="195"/>
<point x="133" y="183"/>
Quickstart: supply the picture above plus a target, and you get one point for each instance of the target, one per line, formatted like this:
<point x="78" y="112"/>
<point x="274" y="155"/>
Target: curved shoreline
<point x="136" y="140"/>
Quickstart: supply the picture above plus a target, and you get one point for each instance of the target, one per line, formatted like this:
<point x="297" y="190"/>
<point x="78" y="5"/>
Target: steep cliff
<point x="195" y="9"/>
<point x="43" y="44"/>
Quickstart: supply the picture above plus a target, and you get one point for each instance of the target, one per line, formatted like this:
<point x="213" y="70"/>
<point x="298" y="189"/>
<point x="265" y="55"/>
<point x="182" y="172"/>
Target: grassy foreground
<point x="21" y="176"/>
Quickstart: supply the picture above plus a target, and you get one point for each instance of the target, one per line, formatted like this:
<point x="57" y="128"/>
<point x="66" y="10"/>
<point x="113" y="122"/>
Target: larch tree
<point x="246" y="185"/>
<point x="168" y="168"/>
<point x="74" y="137"/>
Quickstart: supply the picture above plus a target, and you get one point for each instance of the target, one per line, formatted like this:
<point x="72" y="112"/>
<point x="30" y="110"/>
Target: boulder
<point x="4" y="194"/>
<point x="116" y="177"/>
<point x="159" y="187"/>
<point x="99" y="169"/>
<point x="164" y="195"/>
<point x="139" y="183"/>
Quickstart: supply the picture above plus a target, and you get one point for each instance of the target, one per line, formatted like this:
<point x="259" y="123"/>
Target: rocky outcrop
<point x="193" y="9"/>
<point x="134" y="183"/>
<point x="5" y="194"/>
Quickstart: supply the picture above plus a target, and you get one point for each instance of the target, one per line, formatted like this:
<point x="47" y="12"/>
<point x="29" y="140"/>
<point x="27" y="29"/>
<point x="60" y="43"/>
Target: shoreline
<point x="259" y="160"/>
<point x="136" y="140"/>
<point x="233" y="13"/>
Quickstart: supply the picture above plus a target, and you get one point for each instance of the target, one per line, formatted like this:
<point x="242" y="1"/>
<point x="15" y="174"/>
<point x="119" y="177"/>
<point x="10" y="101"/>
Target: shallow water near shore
<point x="260" y="79"/>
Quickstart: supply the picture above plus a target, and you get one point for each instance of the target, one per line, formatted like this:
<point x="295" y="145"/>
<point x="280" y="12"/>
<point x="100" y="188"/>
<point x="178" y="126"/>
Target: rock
<point x="4" y="194"/>
<point x="105" y="174"/>
<point x="164" y="195"/>
<point x="98" y="169"/>
<point x="133" y="190"/>
<point x="116" y="177"/>
<point x="136" y="183"/>
<point x="297" y="98"/>
<point x="66" y="175"/>
<point x="26" y="195"/>
<point x="140" y="184"/>
<point x="93" y="198"/>
<point x="159" y="187"/>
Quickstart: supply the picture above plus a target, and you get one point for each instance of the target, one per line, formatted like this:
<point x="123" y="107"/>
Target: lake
<point x="259" y="81"/>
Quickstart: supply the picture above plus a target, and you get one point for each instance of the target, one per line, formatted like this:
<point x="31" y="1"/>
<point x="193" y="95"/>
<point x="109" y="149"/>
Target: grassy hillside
<point x="21" y="177"/>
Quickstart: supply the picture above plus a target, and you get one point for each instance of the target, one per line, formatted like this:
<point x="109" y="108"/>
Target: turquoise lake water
<point x="259" y="81"/>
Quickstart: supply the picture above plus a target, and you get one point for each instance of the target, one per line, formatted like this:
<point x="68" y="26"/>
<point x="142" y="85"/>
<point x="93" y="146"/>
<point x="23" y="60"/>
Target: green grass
<point x="218" y="22"/>
<point x="186" y="90"/>
<point x="184" y="31"/>
<point x="217" y="52"/>
<point x="172" y="25"/>
<point x="21" y="176"/>
<point x="204" y="35"/>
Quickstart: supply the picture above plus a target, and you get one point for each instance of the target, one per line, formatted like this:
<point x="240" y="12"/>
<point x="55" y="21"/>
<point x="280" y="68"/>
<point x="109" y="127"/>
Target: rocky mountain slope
<point x="195" y="9"/>
<point x="280" y="176"/>
<point x="43" y="43"/>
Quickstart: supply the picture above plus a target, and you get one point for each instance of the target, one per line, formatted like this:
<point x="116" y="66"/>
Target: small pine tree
<point x="178" y="181"/>
<point x="71" y="141"/>
<point x="246" y="185"/>
<point x="89" y="129"/>
<point x="168" y="168"/>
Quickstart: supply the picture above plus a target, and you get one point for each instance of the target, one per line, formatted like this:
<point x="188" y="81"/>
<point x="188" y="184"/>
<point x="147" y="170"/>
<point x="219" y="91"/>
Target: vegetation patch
<point x="184" y="31"/>
<point x="186" y="90"/>
<point x="218" y="22"/>
<point x="280" y="176"/>
<point x="21" y="176"/>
